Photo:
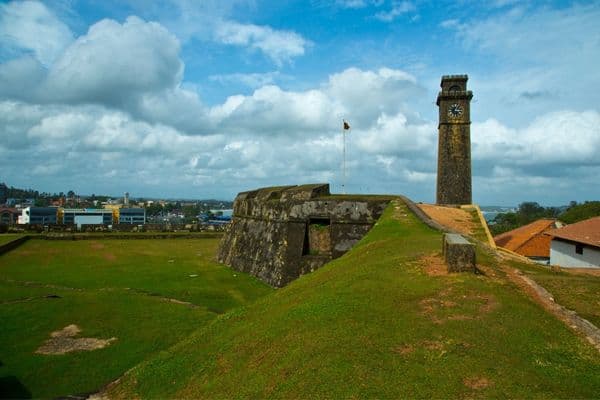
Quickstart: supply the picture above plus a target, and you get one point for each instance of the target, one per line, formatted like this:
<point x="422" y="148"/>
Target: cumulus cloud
<point x="21" y="78"/>
<point x="361" y="97"/>
<point x="279" y="45"/>
<point x="271" y="111"/>
<point x="395" y="135"/>
<point x="364" y="95"/>
<point x="29" y="25"/>
<point x="133" y="66"/>
<point x="114" y="59"/>
<point x="557" y="138"/>
<point x="269" y="137"/>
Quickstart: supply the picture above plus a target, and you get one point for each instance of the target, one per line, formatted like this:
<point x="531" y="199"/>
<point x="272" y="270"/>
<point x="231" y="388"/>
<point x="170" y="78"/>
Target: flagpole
<point x="344" y="163"/>
<point x="343" y="158"/>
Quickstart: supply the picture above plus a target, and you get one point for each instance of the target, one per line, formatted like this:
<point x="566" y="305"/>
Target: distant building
<point x="530" y="240"/>
<point x="9" y="215"/>
<point x="87" y="216"/>
<point x="134" y="216"/>
<point x="576" y="245"/>
<point x="38" y="215"/>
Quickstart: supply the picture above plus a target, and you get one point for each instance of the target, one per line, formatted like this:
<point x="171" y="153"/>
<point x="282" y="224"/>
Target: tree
<point x="580" y="212"/>
<point x="526" y="214"/>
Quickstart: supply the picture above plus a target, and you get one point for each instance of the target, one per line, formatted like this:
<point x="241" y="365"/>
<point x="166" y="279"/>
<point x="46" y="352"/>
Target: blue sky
<point x="208" y="98"/>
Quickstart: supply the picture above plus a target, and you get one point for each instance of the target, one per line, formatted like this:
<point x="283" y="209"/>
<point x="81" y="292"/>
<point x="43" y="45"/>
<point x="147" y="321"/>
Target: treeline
<point x="7" y="192"/>
<point x="532" y="211"/>
<point x="43" y="199"/>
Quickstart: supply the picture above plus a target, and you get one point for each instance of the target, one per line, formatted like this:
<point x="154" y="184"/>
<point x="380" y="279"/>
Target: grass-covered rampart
<point x="383" y="321"/>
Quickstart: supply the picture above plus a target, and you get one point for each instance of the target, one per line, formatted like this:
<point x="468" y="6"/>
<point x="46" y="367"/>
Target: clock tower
<point x="454" y="142"/>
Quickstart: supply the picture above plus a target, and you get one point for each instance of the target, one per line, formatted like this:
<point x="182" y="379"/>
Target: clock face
<point x="455" y="111"/>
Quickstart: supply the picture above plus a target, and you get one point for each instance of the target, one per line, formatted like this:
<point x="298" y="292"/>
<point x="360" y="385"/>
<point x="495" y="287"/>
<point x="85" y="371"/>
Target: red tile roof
<point x="528" y="240"/>
<point x="586" y="232"/>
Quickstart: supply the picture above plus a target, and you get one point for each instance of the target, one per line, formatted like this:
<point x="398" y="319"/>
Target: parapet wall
<point x="280" y="233"/>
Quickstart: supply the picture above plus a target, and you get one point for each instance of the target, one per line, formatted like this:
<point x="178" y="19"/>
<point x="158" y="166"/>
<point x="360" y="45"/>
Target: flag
<point x="346" y="126"/>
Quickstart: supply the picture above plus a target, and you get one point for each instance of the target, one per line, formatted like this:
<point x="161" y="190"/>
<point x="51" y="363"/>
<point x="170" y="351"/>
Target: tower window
<point x="454" y="88"/>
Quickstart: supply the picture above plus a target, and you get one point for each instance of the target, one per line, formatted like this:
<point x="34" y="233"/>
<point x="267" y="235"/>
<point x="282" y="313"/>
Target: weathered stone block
<point x="459" y="254"/>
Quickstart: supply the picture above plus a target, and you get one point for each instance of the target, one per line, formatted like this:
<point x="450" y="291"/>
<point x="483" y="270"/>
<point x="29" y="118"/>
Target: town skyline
<point x="188" y="100"/>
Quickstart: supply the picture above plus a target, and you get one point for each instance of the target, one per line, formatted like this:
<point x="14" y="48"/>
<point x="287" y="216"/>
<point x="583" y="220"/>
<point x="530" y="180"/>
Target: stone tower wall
<point x="454" y="142"/>
<point x="454" y="165"/>
<point x="278" y="234"/>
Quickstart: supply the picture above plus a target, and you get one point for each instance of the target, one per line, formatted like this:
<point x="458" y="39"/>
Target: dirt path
<point x="455" y="219"/>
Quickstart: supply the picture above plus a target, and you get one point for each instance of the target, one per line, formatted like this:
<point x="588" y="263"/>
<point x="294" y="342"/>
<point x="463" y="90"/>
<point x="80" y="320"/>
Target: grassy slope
<point x="91" y="278"/>
<point x="9" y="237"/>
<point x="373" y="324"/>
<point x="577" y="292"/>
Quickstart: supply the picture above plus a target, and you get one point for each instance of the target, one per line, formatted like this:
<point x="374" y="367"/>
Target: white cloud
<point x="537" y="60"/>
<point x="29" y="25"/>
<point x="273" y="111"/>
<point x="359" y="96"/>
<point x="394" y="135"/>
<point x="65" y="125"/>
<point x="113" y="61"/>
<point x="21" y="77"/>
<point x="450" y="23"/>
<point x="555" y="139"/>
<point x="365" y="95"/>
<point x="133" y="66"/>
<point x="253" y="80"/>
<point x="279" y="45"/>
<point x="398" y="8"/>
<point x="351" y="3"/>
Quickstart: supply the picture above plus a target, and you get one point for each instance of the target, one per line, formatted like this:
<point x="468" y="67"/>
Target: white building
<point x="87" y="216"/>
<point x="576" y="245"/>
<point x="38" y="215"/>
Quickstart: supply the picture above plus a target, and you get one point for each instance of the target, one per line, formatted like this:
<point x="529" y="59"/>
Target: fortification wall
<point x="280" y="233"/>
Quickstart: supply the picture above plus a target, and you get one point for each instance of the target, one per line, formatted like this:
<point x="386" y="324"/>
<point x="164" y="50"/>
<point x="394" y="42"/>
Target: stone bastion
<point x="280" y="233"/>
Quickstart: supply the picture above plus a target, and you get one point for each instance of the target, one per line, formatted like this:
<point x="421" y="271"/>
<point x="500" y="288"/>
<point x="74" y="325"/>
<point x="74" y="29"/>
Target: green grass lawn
<point x="375" y="324"/>
<point x="577" y="292"/>
<point x="9" y="237"/>
<point x="111" y="288"/>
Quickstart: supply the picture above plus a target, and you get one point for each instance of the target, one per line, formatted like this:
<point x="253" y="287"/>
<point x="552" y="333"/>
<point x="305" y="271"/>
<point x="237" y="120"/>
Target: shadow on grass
<point x="12" y="388"/>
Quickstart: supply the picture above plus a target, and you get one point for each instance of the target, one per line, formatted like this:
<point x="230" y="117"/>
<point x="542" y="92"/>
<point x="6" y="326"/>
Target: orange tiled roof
<point x="528" y="240"/>
<point x="586" y="232"/>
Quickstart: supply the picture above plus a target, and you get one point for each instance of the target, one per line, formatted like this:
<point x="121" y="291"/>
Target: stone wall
<point x="454" y="142"/>
<point x="280" y="233"/>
